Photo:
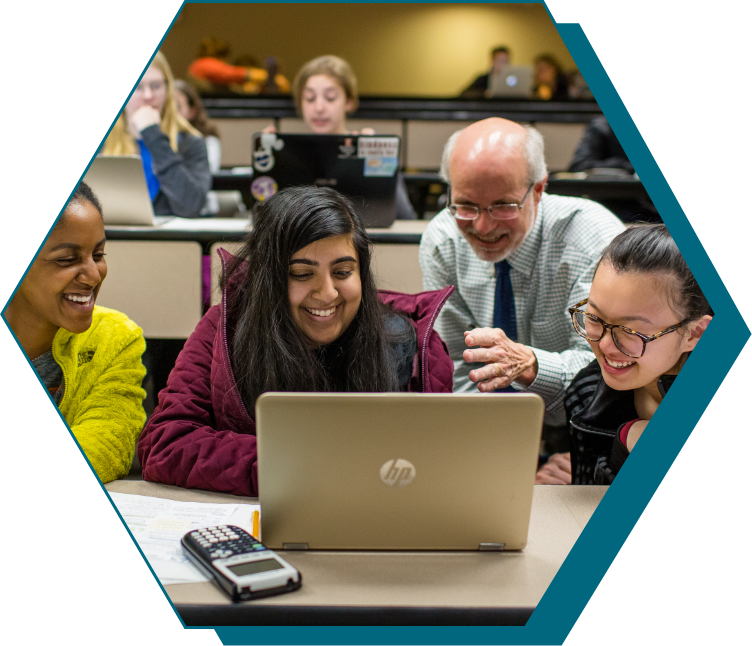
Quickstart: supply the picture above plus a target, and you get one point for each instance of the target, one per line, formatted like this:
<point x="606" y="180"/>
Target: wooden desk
<point x="382" y="588"/>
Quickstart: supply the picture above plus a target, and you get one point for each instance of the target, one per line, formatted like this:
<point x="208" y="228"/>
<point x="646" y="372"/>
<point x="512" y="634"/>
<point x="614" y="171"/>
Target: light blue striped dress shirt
<point x="550" y="271"/>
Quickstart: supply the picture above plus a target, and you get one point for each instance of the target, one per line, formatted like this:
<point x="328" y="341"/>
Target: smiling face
<point x="61" y="286"/>
<point x="324" y="288"/>
<point x="640" y="302"/>
<point x="489" y="167"/>
<point x="325" y="105"/>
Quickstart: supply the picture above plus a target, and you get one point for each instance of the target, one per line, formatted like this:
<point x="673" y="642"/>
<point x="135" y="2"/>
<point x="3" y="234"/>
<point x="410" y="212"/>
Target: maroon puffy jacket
<point x="201" y="435"/>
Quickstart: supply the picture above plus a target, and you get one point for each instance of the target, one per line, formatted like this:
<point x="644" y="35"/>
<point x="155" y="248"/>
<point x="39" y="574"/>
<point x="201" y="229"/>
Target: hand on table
<point x="506" y="361"/>
<point x="558" y="470"/>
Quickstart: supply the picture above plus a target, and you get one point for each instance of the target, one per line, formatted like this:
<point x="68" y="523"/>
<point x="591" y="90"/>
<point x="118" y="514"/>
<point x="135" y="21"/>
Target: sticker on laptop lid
<point x="380" y="167"/>
<point x="346" y="149"/>
<point x="263" y="188"/>
<point x="263" y="158"/>
<point x="379" y="155"/>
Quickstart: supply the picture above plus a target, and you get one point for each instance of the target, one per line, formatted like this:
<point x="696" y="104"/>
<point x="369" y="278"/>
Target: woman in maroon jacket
<point x="299" y="312"/>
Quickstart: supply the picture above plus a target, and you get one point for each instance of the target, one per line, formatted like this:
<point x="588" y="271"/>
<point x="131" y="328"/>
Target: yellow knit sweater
<point x="103" y="399"/>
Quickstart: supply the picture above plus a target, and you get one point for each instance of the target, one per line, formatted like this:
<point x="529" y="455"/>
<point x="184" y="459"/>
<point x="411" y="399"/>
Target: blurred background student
<point x="88" y="357"/>
<point x="189" y="106"/>
<point x="172" y="151"/>
<point x="325" y="92"/>
<point x="500" y="57"/>
<point x="550" y="83"/>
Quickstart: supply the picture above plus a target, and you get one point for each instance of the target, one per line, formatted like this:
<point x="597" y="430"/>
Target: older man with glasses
<point x="519" y="258"/>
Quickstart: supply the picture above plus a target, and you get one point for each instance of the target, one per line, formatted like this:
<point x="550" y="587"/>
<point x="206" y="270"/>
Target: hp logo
<point x="397" y="472"/>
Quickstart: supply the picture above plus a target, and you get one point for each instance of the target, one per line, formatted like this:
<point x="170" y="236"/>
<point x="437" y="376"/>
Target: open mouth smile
<point x="321" y="314"/>
<point x="84" y="300"/>
<point x="617" y="367"/>
<point x="81" y="302"/>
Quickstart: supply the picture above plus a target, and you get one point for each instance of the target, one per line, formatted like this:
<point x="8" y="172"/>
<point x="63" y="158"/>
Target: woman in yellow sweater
<point x="88" y="357"/>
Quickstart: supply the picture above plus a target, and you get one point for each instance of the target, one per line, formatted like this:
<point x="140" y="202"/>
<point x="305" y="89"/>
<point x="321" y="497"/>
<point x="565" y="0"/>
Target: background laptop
<point x="514" y="82"/>
<point x="120" y="185"/>
<point x="363" y="167"/>
<point x="397" y="471"/>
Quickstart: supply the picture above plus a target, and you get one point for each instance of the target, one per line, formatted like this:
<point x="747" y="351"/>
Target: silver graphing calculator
<point x="238" y="563"/>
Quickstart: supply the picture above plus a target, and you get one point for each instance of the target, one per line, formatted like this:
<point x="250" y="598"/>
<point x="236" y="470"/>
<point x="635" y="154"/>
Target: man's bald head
<point x="493" y="144"/>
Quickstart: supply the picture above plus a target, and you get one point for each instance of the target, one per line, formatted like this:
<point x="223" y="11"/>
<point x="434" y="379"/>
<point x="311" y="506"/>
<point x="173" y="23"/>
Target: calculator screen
<point x="254" y="567"/>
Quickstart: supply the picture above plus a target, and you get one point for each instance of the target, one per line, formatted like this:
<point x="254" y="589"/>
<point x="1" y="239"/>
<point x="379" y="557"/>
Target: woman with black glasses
<point x="644" y="315"/>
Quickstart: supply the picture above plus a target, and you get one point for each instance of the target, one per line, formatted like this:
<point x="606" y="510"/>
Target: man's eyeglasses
<point x="627" y="341"/>
<point x="155" y="86"/>
<point x="495" y="211"/>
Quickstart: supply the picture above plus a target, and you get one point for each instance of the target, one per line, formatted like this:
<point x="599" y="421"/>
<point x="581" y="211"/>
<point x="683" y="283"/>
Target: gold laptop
<point x="397" y="471"/>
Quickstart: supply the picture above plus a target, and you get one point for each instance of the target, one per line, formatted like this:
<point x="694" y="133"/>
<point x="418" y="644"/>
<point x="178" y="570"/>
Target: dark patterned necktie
<point x="504" y="315"/>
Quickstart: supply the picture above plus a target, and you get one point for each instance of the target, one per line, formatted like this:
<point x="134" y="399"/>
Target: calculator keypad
<point x="224" y="541"/>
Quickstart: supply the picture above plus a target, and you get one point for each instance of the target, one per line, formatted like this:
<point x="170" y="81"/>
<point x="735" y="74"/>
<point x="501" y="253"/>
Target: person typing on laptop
<point x="172" y="151"/>
<point x="299" y="312"/>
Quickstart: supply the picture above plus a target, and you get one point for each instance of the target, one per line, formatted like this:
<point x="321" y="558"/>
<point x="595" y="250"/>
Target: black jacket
<point x="596" y="412"/>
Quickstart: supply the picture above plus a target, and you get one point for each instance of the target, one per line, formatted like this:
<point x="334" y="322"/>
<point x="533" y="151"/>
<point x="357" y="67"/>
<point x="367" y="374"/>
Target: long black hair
<point x="268" y="351"/>
<point x="650" y="249"/>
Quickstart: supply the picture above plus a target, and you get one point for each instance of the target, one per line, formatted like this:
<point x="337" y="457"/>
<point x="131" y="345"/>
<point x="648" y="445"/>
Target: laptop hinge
<point x="491" y="547"/>
<point x="294" y="546"/>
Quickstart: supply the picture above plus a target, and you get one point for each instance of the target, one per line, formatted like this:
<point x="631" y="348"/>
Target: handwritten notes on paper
<point x="158" y="525"/>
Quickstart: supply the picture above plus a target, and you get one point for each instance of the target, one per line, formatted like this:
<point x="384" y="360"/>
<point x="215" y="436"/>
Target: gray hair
<point x="534" y="156"/>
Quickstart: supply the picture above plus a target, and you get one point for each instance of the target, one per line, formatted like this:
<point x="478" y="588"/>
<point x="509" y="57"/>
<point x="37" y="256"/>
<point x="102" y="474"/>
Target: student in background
<point x="88" y="357"/>
<point x="189" y="106"/>
<point x="500" y="57"/>
<point x="644" y="315"/>
<point x="599" y="148"/>
<point x="550" y="83"/>
<point x="325" y="92"/>
<point x="299" y="312"/>
<point x="172" y="150"/>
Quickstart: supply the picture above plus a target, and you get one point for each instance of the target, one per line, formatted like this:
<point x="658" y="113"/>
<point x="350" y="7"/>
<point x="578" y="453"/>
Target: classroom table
<point x="398" y="588"/>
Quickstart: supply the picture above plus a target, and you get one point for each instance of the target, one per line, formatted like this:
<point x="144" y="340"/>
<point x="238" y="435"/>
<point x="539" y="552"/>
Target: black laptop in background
<point x="363" y="167"/>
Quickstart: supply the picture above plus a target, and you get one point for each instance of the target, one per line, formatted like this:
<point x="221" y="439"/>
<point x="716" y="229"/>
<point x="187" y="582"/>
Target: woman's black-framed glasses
<point x="495" y="211"/>
<point x="627" y="341"/>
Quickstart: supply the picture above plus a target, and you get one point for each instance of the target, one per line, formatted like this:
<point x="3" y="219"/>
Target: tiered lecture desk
<point x="155" y="273"/>
<point x="393" y="588"/>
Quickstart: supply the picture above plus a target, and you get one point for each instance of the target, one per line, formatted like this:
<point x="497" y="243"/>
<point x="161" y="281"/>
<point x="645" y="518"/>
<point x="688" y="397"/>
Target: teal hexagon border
<point x="626" y="499"/>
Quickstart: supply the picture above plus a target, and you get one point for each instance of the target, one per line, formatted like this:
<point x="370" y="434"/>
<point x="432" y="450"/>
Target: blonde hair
<point x="335" y="68"/>
<point x="121" y="142"/>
